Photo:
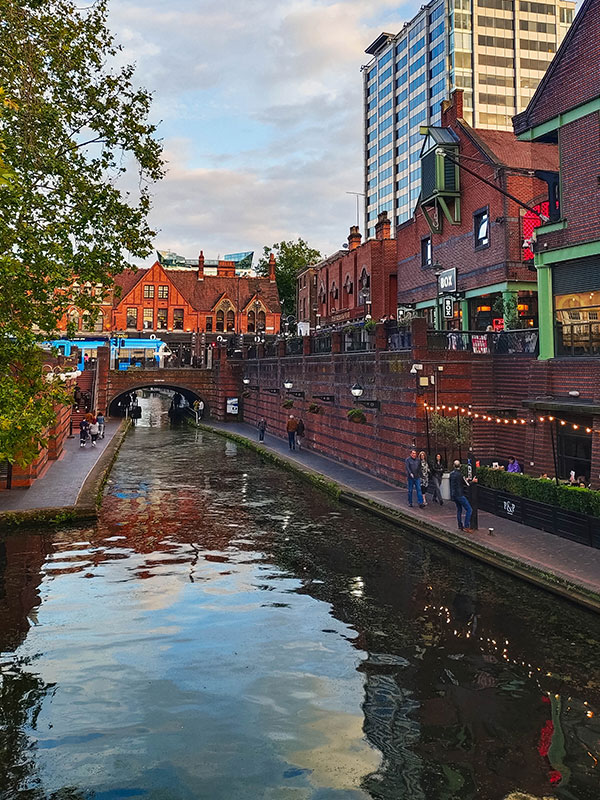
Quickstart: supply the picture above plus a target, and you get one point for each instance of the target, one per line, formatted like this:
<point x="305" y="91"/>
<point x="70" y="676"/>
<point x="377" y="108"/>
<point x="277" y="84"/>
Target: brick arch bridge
<point x="212" y="386"/>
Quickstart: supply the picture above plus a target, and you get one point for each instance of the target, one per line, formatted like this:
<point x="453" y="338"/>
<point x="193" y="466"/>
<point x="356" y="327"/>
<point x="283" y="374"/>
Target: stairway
<point x="86" y="384"/>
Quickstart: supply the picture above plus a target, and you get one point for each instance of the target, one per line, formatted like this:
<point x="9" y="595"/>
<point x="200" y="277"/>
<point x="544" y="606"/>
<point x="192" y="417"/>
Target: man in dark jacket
<point x="457" y="493"/>
<point x="413" y="477"/>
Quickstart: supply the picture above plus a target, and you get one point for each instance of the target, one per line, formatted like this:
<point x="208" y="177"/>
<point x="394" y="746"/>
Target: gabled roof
<point x="587" y="26"/>
<point x="504" y="149"/>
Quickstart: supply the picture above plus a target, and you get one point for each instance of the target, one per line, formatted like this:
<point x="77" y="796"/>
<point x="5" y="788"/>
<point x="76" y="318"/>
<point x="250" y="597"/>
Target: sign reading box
<point x="447" y="280"/>
<point x="448" y="307"/>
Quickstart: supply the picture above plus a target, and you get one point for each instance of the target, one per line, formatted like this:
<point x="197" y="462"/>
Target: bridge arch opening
<point x="120" y="402"/>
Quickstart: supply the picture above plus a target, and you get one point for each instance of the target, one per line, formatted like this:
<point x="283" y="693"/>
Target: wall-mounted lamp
<point x="357" y="392"/>
<point x="288" y="385"/>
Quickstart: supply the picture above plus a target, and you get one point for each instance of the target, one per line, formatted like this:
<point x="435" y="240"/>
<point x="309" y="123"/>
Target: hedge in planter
<point x="570" y="498"/>
<point x="357" y="415"/>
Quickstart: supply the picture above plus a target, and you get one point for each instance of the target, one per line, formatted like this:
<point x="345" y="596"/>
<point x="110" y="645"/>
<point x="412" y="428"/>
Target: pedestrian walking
<point x="437" y="469"/>
<point x="291" y="428"/>
<point x="413" y="476"/>
<point x="300" y="434"/>
<point x="94" y="431"/>
<point x="101" y="423"/>
<point x="262" y="427"/>
<point x="457" y="492"/>
<point x="424" y="475"/>
<point x="84" y="430"/>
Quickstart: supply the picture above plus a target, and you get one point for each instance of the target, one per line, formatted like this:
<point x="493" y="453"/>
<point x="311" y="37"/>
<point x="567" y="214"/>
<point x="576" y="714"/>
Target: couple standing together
<point x="294" y="428"/>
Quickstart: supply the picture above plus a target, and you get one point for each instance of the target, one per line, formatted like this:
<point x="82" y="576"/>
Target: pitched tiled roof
<point x="504" y="148"/>
<point x="203" y="295"/>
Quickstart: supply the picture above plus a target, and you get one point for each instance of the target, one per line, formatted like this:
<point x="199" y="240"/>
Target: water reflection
<point x="226" y="632"/>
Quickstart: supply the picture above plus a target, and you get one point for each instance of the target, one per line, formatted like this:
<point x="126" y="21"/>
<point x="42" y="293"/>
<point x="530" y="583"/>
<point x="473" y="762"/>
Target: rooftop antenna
<point x="357" y="195"/>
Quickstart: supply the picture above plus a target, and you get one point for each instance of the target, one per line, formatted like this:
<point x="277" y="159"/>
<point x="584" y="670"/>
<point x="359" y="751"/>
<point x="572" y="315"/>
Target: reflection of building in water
<point x="21" y="559"/>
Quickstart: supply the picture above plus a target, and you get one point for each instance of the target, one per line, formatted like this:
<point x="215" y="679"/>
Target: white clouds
<point x="262" y="110"/>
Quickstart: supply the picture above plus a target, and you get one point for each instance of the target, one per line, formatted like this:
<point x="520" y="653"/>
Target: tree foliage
<point x="291" y="258"/>
<point x="79" y="156"/>
<point x="450" y="432"/>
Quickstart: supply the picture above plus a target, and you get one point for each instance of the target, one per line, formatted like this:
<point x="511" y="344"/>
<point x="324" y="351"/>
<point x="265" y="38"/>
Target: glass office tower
<point x="495" y="50"/>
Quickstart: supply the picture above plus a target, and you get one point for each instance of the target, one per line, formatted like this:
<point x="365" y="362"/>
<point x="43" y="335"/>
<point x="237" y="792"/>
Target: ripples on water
<point x="226" y="632"/>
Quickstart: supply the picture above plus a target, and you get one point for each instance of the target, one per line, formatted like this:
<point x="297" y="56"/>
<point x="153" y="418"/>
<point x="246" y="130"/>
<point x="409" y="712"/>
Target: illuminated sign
<point x="447" y="280"/>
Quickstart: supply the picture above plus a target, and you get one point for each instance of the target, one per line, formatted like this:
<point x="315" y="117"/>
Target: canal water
<point x="227" y="632"/>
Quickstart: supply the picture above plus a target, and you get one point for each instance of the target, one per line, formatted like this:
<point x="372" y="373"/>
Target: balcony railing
<point x="294" y="346"/>
<point x="320" y="344"/>
<point x="399" y="337"/>
<point x="577" y="339"/>
<point x="483" y="342"/>
<point x="357" y="340"/>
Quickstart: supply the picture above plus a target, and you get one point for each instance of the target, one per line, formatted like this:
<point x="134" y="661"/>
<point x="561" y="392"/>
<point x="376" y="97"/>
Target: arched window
<point x="230" y="320"/>
<point x="73" y="318"/>
<point x="220" y="320"/>
<point x="86" y="321"/>
<point x="262" y="321"/>
<point x="99" y="323"/>
<point x="251" y="322"/>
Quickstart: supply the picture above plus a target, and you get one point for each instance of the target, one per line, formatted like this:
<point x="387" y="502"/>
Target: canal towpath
<point x="560" y="565"/>
<point x="67" y="483"/>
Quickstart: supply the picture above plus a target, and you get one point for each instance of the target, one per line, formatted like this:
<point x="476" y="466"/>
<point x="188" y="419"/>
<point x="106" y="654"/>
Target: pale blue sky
<point x="261" y="105"/>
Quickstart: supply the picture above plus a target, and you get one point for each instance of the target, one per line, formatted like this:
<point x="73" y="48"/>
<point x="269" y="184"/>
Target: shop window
<point x="209" y="323"/>
<point x="426" y="256"/>
<point x="574" y="450"/>
<point x="163" y="292"/>
<point x="220" y="320"/>
<point x="161" y="319"/>
<point x="481" y="226"/>
<point x="148" y="292"/>
<point x="148" y="318"/>
<point x="131" y="317"/>
<point x="251" y="322"/>
<point x="230" y="320"/>
<point x="178" y="319"/>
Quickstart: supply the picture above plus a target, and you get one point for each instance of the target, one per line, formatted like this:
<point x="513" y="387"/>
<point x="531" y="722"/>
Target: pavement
<point x="536" y="550"/>
<point x="60" y="485"/>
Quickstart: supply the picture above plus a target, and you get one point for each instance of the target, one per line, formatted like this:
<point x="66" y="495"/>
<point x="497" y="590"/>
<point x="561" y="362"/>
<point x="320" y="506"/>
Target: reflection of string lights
<point x="503" y="420"/>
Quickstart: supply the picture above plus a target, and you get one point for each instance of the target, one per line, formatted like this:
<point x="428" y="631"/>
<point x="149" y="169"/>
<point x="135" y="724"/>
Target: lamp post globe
<point x="356" y="390"/>
<point x="246" y="381"/>
<point x="288" y="385"/>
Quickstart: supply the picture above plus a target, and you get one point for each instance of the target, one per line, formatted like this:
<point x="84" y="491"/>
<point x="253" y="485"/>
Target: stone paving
<point x="574" y="562"/>
<point x="59" y="486"/>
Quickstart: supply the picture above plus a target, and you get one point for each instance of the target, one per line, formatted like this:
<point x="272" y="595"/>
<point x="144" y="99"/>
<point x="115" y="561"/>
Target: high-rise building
<point x="496" y="50"/>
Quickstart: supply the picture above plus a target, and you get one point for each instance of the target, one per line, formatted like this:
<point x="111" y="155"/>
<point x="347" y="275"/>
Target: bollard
<point x="490" y="531"/>
<point x="474" y="506"/>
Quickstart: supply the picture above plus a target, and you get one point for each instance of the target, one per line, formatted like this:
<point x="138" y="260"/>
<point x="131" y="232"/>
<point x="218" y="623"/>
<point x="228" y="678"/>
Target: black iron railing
<point x="321" y="343"/>
<point x="294" y="346"/>
<point x="399" y="337"/>
<point x="358" y="339"/>
<point x="524" y="341"/>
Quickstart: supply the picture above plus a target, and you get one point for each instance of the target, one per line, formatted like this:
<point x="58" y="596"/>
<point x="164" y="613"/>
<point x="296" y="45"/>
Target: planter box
<point x="568" y="524"/>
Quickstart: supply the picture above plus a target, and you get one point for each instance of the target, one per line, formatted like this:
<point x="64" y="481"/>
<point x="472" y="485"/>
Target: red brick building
<point x="361" y="281"/>
<point x="468" y="230"/>
<point x="306" y="299"/>
<point x="186" y="300"/>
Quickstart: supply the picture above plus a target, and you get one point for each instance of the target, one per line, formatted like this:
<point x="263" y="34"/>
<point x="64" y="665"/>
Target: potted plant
<point x="314" y="408"/>
<point x="357" y="415"/>
<point x="370" y="325"/>
<point x="288" y="403"/>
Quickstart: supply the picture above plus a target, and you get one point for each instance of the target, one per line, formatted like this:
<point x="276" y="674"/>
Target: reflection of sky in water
<point x="226" y="632"/>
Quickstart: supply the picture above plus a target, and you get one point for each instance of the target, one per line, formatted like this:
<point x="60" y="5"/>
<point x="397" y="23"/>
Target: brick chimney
<point x="272" y="268"/>
<point x="201" y="266"/>
<point x="383" y="226"/>
<point x="226" y="269"/>
<point x="354" y="238"/>
<point x="452" y="109"/>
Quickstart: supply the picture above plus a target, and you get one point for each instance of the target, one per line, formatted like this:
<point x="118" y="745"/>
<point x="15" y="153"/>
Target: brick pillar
<point x="103" y="364"/>
<point x="336" y="342"/>
<point x="306" y="346"/>
<point x="281" y="349"/>
<point x="419" y="333"/>
<point x="380" y="337"/>
<point x="261" y="351"/>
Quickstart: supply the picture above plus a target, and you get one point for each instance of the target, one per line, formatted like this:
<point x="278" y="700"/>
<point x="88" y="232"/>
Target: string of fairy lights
<point x="507" y="420"/>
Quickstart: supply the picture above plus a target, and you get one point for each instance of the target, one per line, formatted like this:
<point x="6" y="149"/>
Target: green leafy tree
<point x="291" y="258"/>
<point x="79" y="157"/>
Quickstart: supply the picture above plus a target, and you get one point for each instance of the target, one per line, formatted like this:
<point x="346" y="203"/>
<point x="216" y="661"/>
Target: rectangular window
<point x="566" y="15"/>
<point x="371" y="137"/>
<point x="178" y="319"/>
<point x="501" y="5"/>
<point x="499" y="80"/>
<point x="209" y="321"/>
<point x="148" y="318"/>
<point x="385" y="91"/>
<point x="437" y="51"/>
<point x="401" y="148"/>
<point x="496" y="22"/>
<point x="372" y="151"/>
<point x="401" y="166"/>
<point x="385" y="157"/>
<point x="371" y="74"/>
<point x="163" y="292"/>
<point x="384" y="76"/>
<point x="436" y="14"/>
<point x="386" y="123"/>
<point x="385" y="174"/>
<point x="419" y="118"/>
<point x="538" y="27"/>
<point x="437" y="69"/>
<point x="386" y="106"/>
<point x="537" y="44"/>
<point x="402" y="183"/>
<point x="416" y="47"/>
<point x="401" y="63"/>
<point x="148" y="292"/>
<point x="384" y="59"/>
<point x="426" y="251"/>
<point x="497" y="99"/>
<point x="371" y="120"/>
<point x="401" y="96"/>
<point x="402" y="131"/>
<point x="418" y="81"/>
<point x="401" y="47"/>
<point x="481" y="228"/>
<point x="161" y="319"/>
<point x="132" y="314"/>
<point x="437" y="31"/>
<point x="416" y="65"/>
<point x="418" y="99"/>
<point x="496" y="41"/>
<point x="536" y="8"/>
<point x="385" y="140"/>
<point x="371" y="104"/>
<point x="440" y="86"/>
<point x="385" y="190"/>
<point x="372" y="183"/>
<point x="495" y="61"/>
<point x="534" y="63"/>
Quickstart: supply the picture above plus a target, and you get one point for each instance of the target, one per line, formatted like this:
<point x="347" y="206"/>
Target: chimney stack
<point x="452" y="109"/>
<point x="272" y="268"/>
<point x="354" y="238"/>
<point x="201" y="266"/>
<point x="383" y="226"/>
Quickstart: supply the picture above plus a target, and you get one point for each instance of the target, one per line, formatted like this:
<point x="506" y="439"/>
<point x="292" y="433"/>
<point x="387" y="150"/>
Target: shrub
<point x="288" y="403"/>
<point x="314" y="408"/>
<point x="357" y="415"/>
<point x="370" y="325"/>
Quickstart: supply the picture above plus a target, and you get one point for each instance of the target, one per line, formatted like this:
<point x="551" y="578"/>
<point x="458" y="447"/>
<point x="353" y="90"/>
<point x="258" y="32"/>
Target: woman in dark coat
<point x="437" y="469"/>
